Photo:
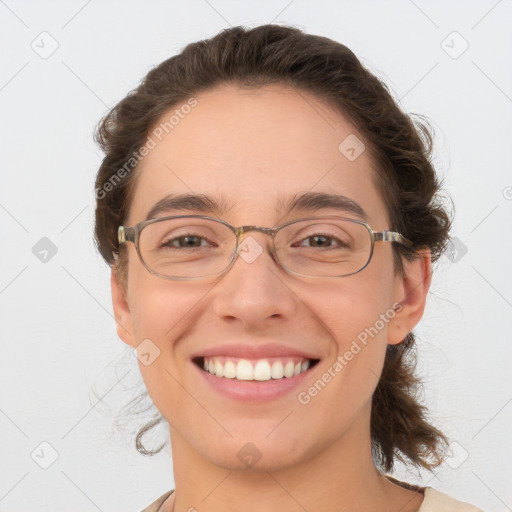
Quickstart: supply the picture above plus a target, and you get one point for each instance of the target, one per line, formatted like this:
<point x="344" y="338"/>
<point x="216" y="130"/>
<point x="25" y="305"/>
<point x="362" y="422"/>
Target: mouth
<point x="257" y="370"/>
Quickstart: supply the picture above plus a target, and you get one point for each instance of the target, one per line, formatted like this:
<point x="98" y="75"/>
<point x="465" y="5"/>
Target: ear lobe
<point x="122" y="313"/>
<point x="411" y="293"/>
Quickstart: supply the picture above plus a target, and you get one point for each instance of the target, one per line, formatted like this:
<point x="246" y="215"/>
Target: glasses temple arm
<point x="392" y="236"/>
<point x="125" y="234"/>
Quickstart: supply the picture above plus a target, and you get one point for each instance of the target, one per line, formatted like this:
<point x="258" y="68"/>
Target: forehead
<point x="253" y="150"/>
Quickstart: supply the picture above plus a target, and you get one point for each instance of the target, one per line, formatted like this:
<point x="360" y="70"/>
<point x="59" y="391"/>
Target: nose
<point x="255" y="290"/>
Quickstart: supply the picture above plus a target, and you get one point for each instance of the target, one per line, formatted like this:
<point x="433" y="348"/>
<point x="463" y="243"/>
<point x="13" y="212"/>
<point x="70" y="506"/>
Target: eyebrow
<point x="300" y="202"/>
<point x="193" y="203"/>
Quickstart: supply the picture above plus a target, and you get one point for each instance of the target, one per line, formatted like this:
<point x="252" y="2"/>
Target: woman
<point x="280" y="353"/>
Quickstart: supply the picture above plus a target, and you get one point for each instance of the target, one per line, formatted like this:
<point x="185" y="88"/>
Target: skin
<point x="251" y="146"/>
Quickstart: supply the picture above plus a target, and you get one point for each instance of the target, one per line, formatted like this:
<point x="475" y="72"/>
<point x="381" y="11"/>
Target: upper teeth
<point x="260" y="369"/>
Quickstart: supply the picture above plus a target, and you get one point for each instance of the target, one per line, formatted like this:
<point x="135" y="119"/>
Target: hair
<point x="401" y="148"/>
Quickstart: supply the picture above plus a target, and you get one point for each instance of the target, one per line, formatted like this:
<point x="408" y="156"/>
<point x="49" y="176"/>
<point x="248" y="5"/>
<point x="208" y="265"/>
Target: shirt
<point x="434" y="501"/>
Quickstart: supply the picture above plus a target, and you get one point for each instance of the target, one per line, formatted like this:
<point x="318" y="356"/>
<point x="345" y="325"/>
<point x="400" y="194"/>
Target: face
<point x="251" y="148"/>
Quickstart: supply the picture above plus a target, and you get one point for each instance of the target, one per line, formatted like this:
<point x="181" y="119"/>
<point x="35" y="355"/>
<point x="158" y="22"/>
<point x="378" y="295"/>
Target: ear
<point x="122" y="313"/>
<point x="410" y="296"/>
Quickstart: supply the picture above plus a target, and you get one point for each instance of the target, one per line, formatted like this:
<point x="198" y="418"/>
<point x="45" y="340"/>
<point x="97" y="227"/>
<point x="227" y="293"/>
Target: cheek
<point x="162" y="314"/>
<point x="357" y="309"/>
<point x="356" y="317"/>
<point x="162" y="311"/>
<point x="156" y="305"/>
<point x="165" y="315"/>
<point x="360" y="343"/>
<point x="352" y="317"/>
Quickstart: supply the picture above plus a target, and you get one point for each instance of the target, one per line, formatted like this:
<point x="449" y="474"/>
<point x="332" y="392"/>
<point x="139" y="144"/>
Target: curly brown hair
<point x="401" y="147"/>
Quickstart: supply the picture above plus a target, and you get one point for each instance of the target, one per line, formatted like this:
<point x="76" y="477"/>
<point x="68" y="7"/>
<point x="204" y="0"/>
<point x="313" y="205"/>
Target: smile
<point x="255" y="369"/>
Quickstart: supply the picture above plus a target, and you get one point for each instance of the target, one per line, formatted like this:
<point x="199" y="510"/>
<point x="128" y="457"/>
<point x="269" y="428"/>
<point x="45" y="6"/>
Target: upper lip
<point x="246" y="351"/>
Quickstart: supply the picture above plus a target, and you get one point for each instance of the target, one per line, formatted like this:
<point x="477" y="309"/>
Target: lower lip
<point x="254" y="391"/>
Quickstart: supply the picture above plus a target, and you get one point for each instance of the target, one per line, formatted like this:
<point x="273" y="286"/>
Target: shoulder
<point x="158" y="503"/>
<point x="434" y="500"/>
<point x="437" y="501"/>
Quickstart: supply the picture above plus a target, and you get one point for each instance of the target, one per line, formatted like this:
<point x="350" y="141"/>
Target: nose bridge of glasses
<point x="242" y="230"/>
<point x="247" y="244"/>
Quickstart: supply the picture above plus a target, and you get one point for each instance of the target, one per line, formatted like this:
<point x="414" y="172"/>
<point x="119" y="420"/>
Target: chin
<point x="251" y="457"/>
<point x="258" y="453"/>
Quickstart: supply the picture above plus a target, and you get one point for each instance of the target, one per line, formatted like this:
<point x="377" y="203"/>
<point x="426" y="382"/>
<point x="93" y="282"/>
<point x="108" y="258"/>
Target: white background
<point x="58" y="340"/>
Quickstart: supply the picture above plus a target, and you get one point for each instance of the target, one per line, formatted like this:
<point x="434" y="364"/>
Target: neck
<point x="342" y="478"/>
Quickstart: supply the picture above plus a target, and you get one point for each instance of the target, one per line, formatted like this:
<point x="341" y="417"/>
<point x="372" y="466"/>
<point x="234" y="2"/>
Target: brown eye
<point x="323" y="241"/>
<point x="185" y="241"/>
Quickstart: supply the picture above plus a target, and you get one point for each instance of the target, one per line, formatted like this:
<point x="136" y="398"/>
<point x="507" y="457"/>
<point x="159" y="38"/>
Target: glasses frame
<point x="132" y="234"/>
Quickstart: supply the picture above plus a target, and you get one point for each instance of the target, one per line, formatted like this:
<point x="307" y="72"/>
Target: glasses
<point x="192" y="247"/>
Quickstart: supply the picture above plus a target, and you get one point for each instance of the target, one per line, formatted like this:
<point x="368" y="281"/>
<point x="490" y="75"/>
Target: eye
<point x="186" y="241"/>
<point x="322" y="241"/>
<point x="328" y="235"/>
<point x="317" y="241"/>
